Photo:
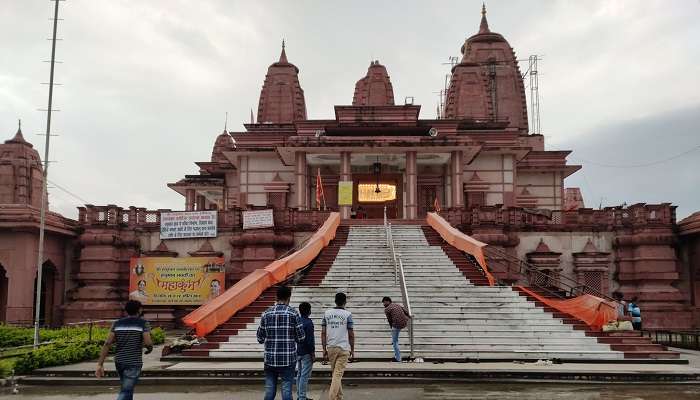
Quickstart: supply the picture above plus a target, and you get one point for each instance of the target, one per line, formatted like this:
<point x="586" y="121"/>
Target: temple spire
<point x="283" y="55"/>
<point x="484" y="27"/>
<point x="18" y="138"/>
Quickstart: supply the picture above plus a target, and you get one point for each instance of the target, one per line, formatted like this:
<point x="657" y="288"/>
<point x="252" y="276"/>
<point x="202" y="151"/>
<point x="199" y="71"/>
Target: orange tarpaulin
<point x="461" y="241"/>
<point x="212" y="314"/>
<point x="592" y="310"/>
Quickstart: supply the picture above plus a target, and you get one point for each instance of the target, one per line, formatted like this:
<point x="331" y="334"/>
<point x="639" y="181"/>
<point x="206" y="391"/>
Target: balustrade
<point x="607" y="219"/>
<point x="137" y="217"/>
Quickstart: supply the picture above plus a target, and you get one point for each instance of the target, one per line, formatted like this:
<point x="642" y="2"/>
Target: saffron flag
<point x="319" y="191"/>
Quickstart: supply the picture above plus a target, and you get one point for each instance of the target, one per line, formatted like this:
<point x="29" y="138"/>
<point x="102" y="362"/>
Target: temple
<point x="477" y="164"/>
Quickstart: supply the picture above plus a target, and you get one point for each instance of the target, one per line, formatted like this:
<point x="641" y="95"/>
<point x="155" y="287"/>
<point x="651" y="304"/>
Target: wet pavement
<point x="534" y="391"/>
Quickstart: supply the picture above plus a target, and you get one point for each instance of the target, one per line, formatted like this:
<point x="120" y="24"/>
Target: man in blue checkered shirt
<point x="280" y="329"/>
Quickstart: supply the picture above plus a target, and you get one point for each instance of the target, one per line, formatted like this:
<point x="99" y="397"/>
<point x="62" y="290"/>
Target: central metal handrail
<point x="400" y="279"/>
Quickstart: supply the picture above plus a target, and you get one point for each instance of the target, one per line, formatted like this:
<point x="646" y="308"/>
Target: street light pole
<point x="44" y="189"/>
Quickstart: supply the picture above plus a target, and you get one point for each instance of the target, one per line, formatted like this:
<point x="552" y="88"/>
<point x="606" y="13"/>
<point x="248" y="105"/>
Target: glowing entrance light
<point x="366" y="192"/>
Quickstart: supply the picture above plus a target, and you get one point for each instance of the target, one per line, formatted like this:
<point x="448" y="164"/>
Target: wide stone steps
<point x="457" y="345"/>
<point x="453" y="318"/>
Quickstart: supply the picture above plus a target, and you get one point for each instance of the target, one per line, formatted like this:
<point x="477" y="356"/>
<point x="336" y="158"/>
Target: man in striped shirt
<point x="280" y="330"/>
<point x="131" y="334"/>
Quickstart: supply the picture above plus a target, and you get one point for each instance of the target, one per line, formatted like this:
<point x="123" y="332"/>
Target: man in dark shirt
<point x="398" y="317"/>
<point x="306" y="352"/>
<point x="131" y="334"/>
<point x="280" y="330"/>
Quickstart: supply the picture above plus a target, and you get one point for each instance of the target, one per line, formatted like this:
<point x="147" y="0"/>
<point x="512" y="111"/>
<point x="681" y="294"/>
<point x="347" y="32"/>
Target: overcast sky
<point x="147" y="83"/>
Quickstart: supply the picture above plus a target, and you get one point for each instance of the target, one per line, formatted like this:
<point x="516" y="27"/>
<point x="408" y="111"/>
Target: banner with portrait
<point x="176" y="281"/>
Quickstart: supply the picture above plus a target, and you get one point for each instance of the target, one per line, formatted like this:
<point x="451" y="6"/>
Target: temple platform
<point x="158" y="372"/>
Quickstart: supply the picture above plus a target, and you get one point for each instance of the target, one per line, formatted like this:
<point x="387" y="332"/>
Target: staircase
<point x="631" y="343"/>
<point x="455" y="316"/>
<point x="467" y="265"/>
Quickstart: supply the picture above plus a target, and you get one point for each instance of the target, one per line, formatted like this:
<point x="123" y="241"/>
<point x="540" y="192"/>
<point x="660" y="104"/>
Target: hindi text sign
<point x="258" y="219"/>
<point x="187" y="224"/>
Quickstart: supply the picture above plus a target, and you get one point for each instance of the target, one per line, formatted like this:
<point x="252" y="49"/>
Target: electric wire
<point x="68" y="192"/>
<point x="640" y="165"/>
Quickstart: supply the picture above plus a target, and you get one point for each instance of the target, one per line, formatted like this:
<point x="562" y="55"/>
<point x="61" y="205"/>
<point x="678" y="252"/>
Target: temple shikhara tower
<point x="477" y="164"/>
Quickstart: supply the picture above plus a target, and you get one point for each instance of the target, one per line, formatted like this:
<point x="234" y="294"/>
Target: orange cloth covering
<point x="592" y="310"/>
<point x="461" y="241"/>
<point x="214" y="313"/>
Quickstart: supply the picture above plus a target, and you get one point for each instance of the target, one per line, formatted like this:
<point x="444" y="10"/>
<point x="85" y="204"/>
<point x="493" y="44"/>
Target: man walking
<point x="398" y="317"/>
<point x="338" y="339"/>
<point x="306" y="352"/>
<point x="131" y="334"/>
<point x="280" y="330"/>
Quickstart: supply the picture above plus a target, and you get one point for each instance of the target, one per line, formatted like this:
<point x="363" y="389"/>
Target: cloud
<point x="640" y="161"/>
<point x="147" y="84"/>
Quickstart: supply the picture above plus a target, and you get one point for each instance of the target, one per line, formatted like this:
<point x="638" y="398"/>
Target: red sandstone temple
<point x="477" y="164"/>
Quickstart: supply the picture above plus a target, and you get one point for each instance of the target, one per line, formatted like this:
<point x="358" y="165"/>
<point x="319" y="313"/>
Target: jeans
<point x="128" y="376"/>
<point x="338" y="360"/>
<point x="395" y="342"/>
<point x="286" y="374"/>
<point x="304" y="367"/>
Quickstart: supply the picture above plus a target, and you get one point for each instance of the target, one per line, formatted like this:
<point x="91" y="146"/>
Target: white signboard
<point x="188" y="224"/>
<point x="258" y="219"/>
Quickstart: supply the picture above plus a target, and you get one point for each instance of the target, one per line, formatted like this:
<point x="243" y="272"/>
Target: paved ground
<point x="152" y="362"/>
<point x="368" y="391"/>
<point x="386" y="392"/>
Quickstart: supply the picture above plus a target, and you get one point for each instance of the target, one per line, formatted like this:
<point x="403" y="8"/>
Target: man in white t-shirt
<point x="338" y="339"/>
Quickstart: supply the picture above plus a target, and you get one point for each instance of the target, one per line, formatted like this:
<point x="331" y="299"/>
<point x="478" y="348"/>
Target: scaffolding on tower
<point x="534" y="94"/>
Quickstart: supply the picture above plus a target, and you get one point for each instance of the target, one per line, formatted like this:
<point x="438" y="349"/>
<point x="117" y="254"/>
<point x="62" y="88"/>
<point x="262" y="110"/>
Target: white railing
<point x="400" y="278"/>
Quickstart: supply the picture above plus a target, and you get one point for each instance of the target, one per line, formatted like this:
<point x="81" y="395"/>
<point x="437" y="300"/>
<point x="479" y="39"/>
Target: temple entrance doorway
<point x="3" y="294"/>
<point x="48" y="279"/>
<point x="426" y="199"/>
<point x="373" y="195"/>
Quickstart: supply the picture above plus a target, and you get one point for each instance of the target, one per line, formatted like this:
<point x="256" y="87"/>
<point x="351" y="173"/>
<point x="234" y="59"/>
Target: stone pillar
<point x="255" y="249"/>
<point x="345" y="175"/>
<point x="201" y="202"/>
<point x="189" y="199"/>
<point x="457" y="172"/>
<point x="300" y="172"/>
<point x="231" y="190"/>
<point x="447" y="170"/>
<point x="411" y="185"/>
<point x="103" y="271"/>
<point x="591" y="267"/>
<point x="648" y="269"/>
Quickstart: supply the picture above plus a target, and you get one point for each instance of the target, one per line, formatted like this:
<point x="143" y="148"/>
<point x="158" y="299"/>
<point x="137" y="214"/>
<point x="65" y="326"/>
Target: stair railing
<point x="407" y="303"/>
<point x="400" y="279"/>
<point x="536" y="278"/>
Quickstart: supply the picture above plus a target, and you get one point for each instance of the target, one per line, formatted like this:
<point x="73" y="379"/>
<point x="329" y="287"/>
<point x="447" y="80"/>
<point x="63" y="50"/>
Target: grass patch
<point x="69" y="345"/>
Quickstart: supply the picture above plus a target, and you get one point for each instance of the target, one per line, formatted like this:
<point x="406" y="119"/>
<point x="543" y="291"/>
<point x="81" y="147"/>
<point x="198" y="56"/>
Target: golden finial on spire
<point x="282" y="43"/>
<point x="483" y="9"/>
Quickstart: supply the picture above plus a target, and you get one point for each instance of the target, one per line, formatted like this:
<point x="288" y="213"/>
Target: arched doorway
<point x="48" y="280"/>
<point x="3" y="294"/>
